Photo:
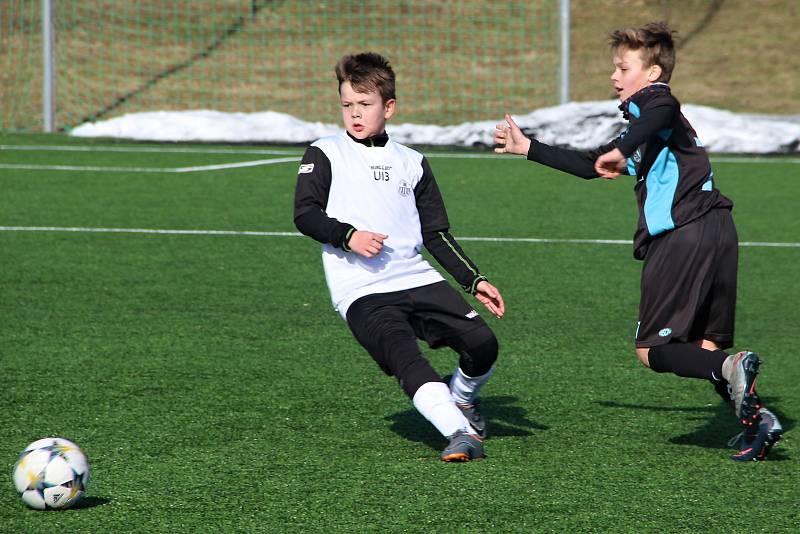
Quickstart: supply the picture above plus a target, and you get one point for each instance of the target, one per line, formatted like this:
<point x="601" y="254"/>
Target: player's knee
<point x="479" y="353"/>
<point x="643" y="354"/>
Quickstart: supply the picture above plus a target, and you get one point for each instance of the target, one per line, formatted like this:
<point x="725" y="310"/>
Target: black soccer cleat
<point x="756" y="442"/>
<point x="775" y="432"/>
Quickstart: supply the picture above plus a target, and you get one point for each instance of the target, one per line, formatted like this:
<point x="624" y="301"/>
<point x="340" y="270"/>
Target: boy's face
<point x="630" y="73"/>
<point x="364" y="114"/>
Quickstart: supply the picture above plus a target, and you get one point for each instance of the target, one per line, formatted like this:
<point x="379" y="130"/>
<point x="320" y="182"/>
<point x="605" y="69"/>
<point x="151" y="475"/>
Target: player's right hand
<point x="367" y="244"/>
<point x="509" y="138"/>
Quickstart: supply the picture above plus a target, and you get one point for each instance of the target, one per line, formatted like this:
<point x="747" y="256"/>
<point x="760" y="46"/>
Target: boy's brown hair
<point x="655" y="42"/>
<point x="367" y="72"/>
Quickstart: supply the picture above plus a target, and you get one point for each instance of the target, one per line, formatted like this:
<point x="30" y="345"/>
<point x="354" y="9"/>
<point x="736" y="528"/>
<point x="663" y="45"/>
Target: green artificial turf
<point x="214" y="389"/>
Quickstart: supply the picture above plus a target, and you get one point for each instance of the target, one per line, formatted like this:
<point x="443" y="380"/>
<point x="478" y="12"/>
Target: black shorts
<point x="389" y="324"/>
<point x="688" y="286"/>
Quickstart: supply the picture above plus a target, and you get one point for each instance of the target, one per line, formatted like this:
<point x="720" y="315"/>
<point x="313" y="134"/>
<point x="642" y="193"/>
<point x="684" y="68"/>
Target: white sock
<point x="464" y="389"/>
<point x="434" y="402"/>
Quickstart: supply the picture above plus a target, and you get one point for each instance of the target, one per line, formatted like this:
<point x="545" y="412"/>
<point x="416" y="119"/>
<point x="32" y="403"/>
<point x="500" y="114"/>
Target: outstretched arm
<point x="511" y="140"/>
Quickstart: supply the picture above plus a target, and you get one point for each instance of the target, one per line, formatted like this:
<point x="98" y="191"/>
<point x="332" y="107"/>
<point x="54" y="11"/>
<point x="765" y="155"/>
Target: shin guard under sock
<point x="687" y="360"/>
<point x="434" y="402"/>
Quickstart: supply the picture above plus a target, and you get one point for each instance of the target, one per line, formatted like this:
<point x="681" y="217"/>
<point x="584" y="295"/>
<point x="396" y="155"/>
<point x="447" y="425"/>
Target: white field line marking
<point x="82" y="168"/>
<point x="272" y="161"/>
<point x="156" y="149"/>
<point x="277" y="152"/>
<point x="298" y="234"/>
<point x="237" y="165"/>
<point x="754" y="159"/>
<point x="143" y="231"/>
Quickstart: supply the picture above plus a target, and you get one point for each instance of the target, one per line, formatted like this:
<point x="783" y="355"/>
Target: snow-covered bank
<point x="580" y="125"/>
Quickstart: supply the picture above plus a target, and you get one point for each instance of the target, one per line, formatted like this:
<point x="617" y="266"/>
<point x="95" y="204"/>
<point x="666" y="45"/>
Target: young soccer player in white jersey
<point x="373" y="204"/>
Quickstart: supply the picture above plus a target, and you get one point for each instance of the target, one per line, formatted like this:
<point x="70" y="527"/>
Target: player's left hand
<point x="610" y="165"/>
<point x="491" y="298"/>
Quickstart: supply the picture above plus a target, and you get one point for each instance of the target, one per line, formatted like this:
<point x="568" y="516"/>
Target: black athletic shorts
<point x="389" y="324"/>
<point x="688" y="285"/>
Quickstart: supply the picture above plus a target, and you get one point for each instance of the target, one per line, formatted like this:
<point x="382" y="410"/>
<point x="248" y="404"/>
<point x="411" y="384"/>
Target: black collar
<point x="376" y="140"/>
<point x="655" y="88"/>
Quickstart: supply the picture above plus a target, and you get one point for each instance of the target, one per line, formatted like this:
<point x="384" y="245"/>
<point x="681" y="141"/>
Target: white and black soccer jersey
<point x="675" y="183"/>
<point x="377" y="185"/>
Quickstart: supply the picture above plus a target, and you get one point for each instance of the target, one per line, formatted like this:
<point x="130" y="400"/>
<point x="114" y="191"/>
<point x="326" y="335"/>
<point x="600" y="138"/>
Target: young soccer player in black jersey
<point x="685" y="235"/>
<point x="373" y="204"/>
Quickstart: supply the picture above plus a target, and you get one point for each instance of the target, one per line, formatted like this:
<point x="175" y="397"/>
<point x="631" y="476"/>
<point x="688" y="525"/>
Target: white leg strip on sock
<point x="464" y="389"/>
<point x="434" y="402"/>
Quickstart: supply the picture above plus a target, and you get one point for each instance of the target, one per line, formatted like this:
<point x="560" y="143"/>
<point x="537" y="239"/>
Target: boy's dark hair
<point x="656" y="41"/>
<point x="367" y="72"/>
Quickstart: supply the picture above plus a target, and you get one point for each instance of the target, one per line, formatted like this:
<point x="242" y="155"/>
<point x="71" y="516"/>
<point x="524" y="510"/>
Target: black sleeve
<point x="651" y="121"/>
<point x="311" y="199"/>
<point x="579" y="163"/>
<point x="436" y="233"/>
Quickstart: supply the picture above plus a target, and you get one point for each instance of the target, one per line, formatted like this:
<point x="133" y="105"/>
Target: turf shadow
<point x="714" y="428"/>
<point x="90" y="502"/>
<point x="505" y="418"/>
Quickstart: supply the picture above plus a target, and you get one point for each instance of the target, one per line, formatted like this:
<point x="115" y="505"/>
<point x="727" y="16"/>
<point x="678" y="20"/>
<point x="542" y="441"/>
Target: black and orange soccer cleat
<point x="463" y="447"/>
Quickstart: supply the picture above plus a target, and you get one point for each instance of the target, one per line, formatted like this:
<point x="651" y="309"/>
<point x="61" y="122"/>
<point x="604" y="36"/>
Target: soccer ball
<point x="51" y="473"/>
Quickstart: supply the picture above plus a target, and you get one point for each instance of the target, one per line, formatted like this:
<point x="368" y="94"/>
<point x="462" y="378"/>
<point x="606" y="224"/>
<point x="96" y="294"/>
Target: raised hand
<point x="510" y="138"/>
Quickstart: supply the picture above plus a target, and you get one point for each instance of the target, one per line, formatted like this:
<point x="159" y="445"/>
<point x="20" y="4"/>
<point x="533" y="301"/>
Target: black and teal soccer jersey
<point x="675" y="183"/>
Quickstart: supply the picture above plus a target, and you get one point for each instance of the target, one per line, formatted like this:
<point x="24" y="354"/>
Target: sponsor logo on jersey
<point x="380" y="173"/>
<point x="471" y="315"/>
<point x="404" y="188"/>
<point x="306" y="168"/>
<point x="664" y="332"/>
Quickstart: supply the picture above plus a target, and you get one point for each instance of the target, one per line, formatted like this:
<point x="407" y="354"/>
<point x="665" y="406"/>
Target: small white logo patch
<point x="471" y="315"/>
<point x="404" y="188"/>
<point x="306" y="168"/>
<point x="664" y="332"/>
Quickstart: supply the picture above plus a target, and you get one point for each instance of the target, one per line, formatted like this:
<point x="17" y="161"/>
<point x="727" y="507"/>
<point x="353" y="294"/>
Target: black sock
<point x="687" y="360"/>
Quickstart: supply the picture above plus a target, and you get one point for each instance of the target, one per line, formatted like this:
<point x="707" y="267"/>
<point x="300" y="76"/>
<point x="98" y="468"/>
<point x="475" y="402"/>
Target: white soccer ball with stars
<point x="51" y="473"/>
